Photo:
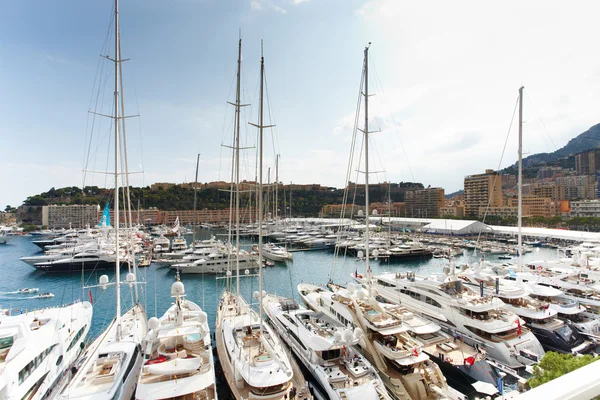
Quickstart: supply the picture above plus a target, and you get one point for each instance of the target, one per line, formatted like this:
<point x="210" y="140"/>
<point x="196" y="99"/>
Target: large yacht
<point x="543" y="320"/>
<point x="325" y="348"/>
<point x="217" y="262"/>
<point x="479" y="320"/>
<point x="178" y="353"/>
<point x="404" y="367"/>
<point x="38" y="348"/>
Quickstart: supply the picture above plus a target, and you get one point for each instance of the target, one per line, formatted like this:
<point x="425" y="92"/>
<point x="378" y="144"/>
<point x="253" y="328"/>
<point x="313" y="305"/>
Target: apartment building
<point x="587" y="163"/>
<point x="536" y="206"/>
<point x="579" y="187"/>
<point x="453" y="211"/>
<point x="482" y="190"/>
<point x="585" y="208"/>
<point x="424" y="203"/>
<point x="65" y="216"/>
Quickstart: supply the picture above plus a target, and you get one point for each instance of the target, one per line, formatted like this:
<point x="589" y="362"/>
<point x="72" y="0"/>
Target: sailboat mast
<point x="127" y="194"/>
<point x="260" y="191"/>
<point x="116" y="207"/>
<point x="195" y="191"/>
<point x="366" y="133"/>
<point x="276" y="187"/>
<point x="520" y="183"/>
<point x="237" y="168"/>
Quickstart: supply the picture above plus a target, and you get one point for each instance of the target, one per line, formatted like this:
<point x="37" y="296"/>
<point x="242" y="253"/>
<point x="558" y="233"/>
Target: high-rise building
<point x="587" y="163"/>
<point x="482" y="190"/>
<point x="424" y="203"/>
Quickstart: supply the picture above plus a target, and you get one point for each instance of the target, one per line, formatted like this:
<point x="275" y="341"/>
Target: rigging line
<point x="223" y="132"/>
<point x="271" y="119"/>
<point x="349" y="172"/>
<point x="497" y="175"/>
<point x="378" y="81"/>
<point x="541" y="121"/>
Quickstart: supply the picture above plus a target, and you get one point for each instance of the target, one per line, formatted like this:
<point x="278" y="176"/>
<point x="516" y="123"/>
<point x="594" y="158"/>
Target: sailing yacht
<point x="38" y="348"/>
<point x="252" y="356"/>
<point x="111" y="365"/>
<point x="178" y="353"/>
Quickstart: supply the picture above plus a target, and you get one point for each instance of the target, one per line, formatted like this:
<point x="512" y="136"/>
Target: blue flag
<point x="105" y="218"/>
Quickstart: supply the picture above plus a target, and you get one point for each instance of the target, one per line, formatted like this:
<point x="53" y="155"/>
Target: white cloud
<point x="452" y="77"/>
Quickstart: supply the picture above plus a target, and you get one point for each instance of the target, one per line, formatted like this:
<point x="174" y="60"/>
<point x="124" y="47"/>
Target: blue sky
<point x="445" y="74"/>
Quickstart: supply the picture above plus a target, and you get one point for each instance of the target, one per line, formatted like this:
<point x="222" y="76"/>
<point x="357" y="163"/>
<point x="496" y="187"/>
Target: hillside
<point x="562" y="157"/>
<point x="304" y="202"/>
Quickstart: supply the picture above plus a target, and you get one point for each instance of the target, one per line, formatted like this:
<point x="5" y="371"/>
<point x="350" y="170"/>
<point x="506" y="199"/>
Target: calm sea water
<point x="308" y="266"/>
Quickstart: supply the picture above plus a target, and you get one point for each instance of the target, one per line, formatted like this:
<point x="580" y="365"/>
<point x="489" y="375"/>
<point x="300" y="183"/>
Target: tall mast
<point x="195" y="190"/>
<point x="260" y="205"/>
<point x="260" y="127"/>
<point x="366" y="133"/>
<point x="276" y="187"/>
<point x="520" y="182"/>
<point x="116" y="207"/>
<point x="237" y="169"/>
<point x="127" y="193"/>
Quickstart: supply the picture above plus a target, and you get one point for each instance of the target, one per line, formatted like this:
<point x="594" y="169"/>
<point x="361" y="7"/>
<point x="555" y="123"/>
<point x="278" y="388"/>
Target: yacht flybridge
<point x="480" y="320"/>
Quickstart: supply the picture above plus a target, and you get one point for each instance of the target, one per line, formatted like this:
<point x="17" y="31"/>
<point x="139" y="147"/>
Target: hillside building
<point x="482" y="190"/>
<point x="65" y="216"/>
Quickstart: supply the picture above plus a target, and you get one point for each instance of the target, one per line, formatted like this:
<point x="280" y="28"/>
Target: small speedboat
<point x="46" y="295"/>
<point x="27" y="290"/>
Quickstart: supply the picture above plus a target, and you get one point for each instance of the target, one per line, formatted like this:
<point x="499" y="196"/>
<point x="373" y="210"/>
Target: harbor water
<point x="205" y="290"/>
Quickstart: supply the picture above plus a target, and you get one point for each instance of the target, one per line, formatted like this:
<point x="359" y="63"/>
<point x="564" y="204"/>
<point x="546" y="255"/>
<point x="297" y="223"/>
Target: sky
<point x="445" y="78"/>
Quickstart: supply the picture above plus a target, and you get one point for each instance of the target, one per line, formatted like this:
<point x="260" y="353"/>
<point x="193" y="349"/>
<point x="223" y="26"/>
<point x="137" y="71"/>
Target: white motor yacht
<point x="325" y="347"/>
<point x="38" y="348"/>
<point x="480" y="320"/>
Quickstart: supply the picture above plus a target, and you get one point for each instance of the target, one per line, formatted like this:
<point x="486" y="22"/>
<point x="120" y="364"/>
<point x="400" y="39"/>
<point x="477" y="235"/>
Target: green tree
<point x="554" y="365"/>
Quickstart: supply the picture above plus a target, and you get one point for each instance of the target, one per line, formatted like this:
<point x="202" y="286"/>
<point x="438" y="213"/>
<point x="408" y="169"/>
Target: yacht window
<point x="76" y="337"/>
<point x="384" y="283"/>
<point x="432" y="302"/>
<point x="6" y="342"/>
<point x="330" y="354"/>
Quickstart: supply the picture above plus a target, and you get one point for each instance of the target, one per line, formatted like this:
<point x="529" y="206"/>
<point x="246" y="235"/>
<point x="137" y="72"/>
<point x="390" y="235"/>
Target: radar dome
<point x="153" y="323"/>
<point x="347" y="335"/>
<point x="256" y="295"/>
<point x="202" y="317"/>
<point x="337" y="336"/>
<point x="357" y="333"/>
<point x="104" y="281"/>
<point x="177" y="289"/>
<point x="351" y="287"/>
<point x="130" y="278"/>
